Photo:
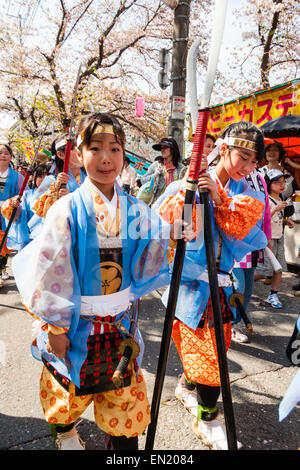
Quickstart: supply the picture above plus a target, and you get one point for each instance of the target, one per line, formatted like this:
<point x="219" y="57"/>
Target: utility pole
<point x="178" y="72"/>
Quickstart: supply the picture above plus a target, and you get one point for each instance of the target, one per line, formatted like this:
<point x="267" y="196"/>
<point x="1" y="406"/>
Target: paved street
<point x="259" y="372"/>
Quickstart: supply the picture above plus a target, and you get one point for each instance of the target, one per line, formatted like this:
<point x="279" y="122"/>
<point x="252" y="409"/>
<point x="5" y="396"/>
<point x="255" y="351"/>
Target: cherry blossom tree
<point x="116" y="41"/>
<point x="270" y="53"/>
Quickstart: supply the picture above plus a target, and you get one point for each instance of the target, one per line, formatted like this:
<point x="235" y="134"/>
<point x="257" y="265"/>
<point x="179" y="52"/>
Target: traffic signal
<point x="164" y="62"/>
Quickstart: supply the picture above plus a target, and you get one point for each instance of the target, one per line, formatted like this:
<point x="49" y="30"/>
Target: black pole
<point x="167" y="330"/>
<point x="194" y="170"/>
<point x="218" y="324"/>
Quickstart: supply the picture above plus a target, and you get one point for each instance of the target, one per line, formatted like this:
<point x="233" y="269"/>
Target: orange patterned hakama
<point x="121" y="412"/>
<point x="198" y="352"/>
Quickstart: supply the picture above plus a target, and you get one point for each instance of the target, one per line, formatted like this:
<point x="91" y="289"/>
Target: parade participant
<point x="10" y="185"/>
<point x="26" y="224"/>
<point x="186" y="392"/>
<point x="208" y="147"/>
<point x="60" y="183"/>
<point x="76" y="174"/>
<point x="235" y="211"/>
<point x="275" y="180"/>
<point x="99" y="249"/>
<point x="128" y="176"/>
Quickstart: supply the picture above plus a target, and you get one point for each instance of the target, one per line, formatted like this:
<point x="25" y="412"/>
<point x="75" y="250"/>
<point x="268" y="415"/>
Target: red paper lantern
<point x="139" y="106"/>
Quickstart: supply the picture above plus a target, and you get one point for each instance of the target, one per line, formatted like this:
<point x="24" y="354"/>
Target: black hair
<point x="248" y="130"/>
<point x="7" y="148"/>
<point x="174" y="150"/>
<point x="40" y="170"/>
<point x="210" y="136"/>
<point x="280" y="148"/>
<point x="58" y="161"/>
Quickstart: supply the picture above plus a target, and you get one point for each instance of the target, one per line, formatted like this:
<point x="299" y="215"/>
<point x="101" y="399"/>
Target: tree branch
<point x="265" y="68"/>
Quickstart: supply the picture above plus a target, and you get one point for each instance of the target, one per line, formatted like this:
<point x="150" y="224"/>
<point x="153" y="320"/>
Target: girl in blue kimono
<point x="76" y="173"/>
<point x="235" y="212"/>
<point x="10" y="185"/>
<point x="99" y="250"/>
<point x="26" y="224"/>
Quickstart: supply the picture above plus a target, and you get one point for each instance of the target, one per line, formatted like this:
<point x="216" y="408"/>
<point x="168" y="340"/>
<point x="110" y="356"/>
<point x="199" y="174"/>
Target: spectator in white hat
<point x="276" y="183"/>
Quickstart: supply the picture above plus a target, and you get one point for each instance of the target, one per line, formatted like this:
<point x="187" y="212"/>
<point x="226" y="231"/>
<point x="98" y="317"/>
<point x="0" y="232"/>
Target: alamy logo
<point x="295" y="356"/>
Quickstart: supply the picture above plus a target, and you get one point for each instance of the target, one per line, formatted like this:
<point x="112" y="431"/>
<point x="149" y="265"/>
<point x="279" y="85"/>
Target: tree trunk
<point x="265" y="62"/>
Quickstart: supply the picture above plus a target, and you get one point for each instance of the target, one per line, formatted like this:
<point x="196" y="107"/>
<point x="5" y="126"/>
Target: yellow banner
<point x="28" y="150"/>
<point x="259" y="107"/>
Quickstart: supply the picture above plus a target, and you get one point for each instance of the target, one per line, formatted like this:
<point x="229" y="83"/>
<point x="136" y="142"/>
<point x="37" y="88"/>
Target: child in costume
<point x="76" y="173"/>
<point x="10" y="185"/>
<point x="235" y="211"/>
<point x="59" y="183"/>
<point x="99" y="249"/>
<point x="275" y="180"/>
<point x="26" y="224"/>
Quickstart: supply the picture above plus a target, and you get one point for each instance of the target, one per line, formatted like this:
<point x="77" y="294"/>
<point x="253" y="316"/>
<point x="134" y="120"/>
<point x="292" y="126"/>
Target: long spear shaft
<point x="218" y="324"/>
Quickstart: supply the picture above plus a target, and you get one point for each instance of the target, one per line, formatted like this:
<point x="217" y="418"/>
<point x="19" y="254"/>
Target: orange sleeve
<point x="44" y="202"/>
<point x="55" y="330"/>
<point x="238" y="214"/>
<point x="7" y="208"/>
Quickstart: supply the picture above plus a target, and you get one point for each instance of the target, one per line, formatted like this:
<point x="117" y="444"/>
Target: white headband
<point x="215" y="152"/>
<point x="60" y="144"/>
<point x="230" y="141"/>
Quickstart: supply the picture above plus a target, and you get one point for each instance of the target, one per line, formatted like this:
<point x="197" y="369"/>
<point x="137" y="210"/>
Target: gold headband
<point x="236" y="142"/>
<point x="99" y="129"/>
<point x="104" y="129"/>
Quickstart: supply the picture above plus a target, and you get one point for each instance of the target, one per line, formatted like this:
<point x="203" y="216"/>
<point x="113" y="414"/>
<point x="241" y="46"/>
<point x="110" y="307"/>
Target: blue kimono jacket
<point x="194" y="292"/>
<point x="11" y="188"/>
<point x="63" y="264"/>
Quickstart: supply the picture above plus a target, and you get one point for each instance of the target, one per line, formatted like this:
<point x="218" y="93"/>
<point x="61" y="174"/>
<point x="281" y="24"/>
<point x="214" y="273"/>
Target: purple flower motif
<point x="59" y="270"/>
<point x="56" y="288"/>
